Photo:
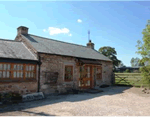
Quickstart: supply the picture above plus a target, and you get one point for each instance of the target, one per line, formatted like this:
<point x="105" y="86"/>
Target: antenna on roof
<point x="89" y="35"/>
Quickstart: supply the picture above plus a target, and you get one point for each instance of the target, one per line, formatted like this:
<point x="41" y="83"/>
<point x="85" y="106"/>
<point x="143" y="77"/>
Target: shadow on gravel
<point x="37" y="114"/>
<point x="113" y="90"/>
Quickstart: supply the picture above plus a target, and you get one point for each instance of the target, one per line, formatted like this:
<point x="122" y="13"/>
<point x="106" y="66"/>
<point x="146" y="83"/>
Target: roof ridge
<point x="8" y="40"/>
<point x="58" y="40"/>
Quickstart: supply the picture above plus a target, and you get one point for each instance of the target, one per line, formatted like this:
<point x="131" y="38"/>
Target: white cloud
<point x="54" y="31"/>
<point x="79" y="21"/>
<point x="44" y="30"/>
<point x="70" y="35"/>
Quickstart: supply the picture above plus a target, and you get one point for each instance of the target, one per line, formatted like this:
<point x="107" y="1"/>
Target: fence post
<point x="112" y="78"/>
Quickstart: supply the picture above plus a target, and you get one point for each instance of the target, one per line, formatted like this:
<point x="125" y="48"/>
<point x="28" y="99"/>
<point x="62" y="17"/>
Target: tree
<point x="135" y="62"/>
<point x="144" y="50"/>
<point x="121" y="64"/>
<point x="127" y="71"/>
<point x="111" y="54"/>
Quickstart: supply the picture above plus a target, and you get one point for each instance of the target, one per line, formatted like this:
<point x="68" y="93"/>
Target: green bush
<point x="145" y="71"/>
<point x="127" y="71"/>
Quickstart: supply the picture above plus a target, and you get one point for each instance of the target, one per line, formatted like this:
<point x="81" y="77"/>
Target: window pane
<point x="17" y="74"/>
<point x="21" y="67"/>
<point x="5" y="66"/>
<point x="15" y="67"/>
<point x="26" y="75"/>
<point x="88" y="69"/>
<point x="14" y="74"/>
<point x="32" y="74"/>
<point x="29" y="75"/>
<point x="0" y="74"/>
<point x="8" y="66"/>
<point x="1" y="66"/>
<point x="88" y="82"/>
<point x="8" y="74"/>
<point x="68" y="72"/>
<point x="26" y="68"/>
<point x="4" y="74"/>
<point x="32" y="67"/>
<point x="21" y="74"/>
<point x="18" y="67"/>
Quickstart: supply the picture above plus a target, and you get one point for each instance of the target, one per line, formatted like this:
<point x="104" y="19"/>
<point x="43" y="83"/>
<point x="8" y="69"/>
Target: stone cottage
<point x="32" y="63"/>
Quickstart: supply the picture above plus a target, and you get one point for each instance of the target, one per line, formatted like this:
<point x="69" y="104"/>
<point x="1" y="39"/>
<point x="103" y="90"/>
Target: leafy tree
<point x="144" y="50"/>
<point x="121" y="64"/>
<point x="111" y="54"/>
<point x="135" y="62"/>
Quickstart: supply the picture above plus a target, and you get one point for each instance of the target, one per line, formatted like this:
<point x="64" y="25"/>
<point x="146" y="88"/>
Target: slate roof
<point x="51" y="46"/>
<point x="15" y="50"/>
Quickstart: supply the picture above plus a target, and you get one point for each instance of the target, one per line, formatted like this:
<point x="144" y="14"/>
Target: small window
<point x="99" y="73"/>
<point x="30" y="71"/>
<point x="68" y="73"/>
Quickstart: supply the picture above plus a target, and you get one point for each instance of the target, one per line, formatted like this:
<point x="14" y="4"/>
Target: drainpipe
<point x="39" y="72"/>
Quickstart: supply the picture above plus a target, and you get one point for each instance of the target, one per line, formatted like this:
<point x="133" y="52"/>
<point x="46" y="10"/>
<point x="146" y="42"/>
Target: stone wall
<point x="53" y="63"/>
<point x="107" y="73"/>
<point x="22" y="87"/>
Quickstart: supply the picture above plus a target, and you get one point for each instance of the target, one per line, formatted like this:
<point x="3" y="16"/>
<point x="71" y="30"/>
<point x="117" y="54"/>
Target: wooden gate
<point x="134" y="79"/>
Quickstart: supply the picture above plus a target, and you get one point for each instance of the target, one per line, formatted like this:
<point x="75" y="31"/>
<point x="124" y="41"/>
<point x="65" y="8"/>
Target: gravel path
<point x="114" y="101"/>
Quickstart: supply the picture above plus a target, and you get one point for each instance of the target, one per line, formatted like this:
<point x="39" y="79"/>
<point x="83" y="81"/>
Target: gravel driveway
<point x="114" y="101"/>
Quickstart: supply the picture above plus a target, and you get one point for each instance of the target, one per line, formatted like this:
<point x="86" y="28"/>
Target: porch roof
<point x="95" y="62"/>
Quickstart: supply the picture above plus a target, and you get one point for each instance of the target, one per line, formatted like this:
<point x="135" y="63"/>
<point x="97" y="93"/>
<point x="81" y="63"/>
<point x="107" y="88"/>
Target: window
<point x="85" y="72"/>
<point x="99" y="72"/>
<point x="30" y="71"/>
<point x="5" y="70"/>
<point x="17" y="71"/>
<point x="68" y="73"/>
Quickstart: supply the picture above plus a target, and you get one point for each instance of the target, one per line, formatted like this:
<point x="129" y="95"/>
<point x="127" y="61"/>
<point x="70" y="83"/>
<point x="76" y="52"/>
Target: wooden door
<point x="86" y="78"/>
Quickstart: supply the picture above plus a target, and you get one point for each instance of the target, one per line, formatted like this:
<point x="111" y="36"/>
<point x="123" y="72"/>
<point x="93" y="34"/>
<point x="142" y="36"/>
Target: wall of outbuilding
<point x="55" y="63"/>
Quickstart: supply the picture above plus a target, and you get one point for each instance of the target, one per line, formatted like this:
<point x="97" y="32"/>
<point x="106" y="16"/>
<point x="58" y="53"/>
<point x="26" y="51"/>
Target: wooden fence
<point x="134" y="79"/>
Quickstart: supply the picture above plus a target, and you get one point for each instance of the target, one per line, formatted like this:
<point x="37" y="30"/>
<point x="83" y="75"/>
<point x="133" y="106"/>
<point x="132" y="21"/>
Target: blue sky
<point x="115" y="24"/>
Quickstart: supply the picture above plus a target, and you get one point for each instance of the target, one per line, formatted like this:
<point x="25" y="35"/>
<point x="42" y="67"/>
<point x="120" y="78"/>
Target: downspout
<point x="39" y="72"/>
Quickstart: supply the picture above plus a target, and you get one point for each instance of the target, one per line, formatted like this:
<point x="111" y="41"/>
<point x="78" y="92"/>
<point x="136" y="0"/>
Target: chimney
<point x="22" y="30"/>
<point x="90" y="45"/>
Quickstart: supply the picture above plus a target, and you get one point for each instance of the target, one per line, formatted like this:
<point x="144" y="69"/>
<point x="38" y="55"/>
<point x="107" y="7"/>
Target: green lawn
<point x="133" y="79"/>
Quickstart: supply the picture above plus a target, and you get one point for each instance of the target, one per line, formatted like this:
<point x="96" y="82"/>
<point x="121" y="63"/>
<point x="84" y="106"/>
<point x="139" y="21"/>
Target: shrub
<point x="145" y="72"/>
<point x="16" y="97"/>
<point x="10" y="97"/>
<point x="6" y="98"/>
<point x="127" y="71"/>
